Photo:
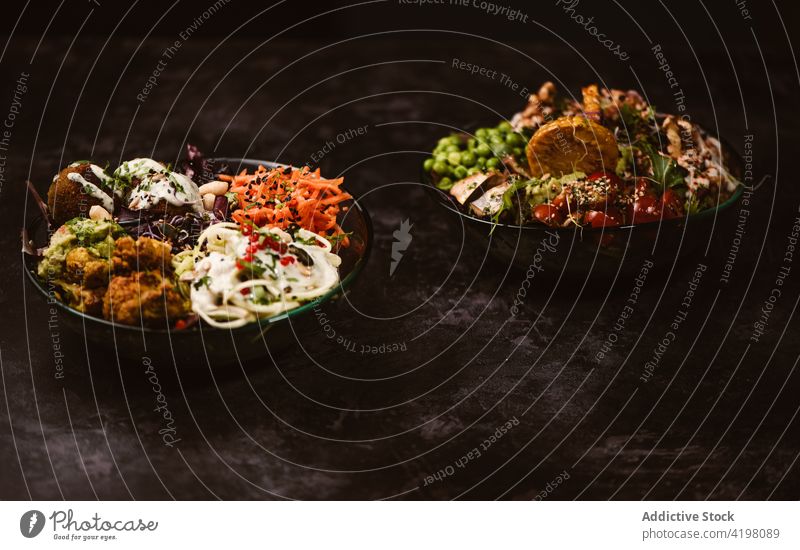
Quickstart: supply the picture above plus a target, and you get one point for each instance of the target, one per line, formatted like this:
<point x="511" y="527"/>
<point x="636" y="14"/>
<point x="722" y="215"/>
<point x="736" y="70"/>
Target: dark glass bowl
<point x="201" y="344"/>
<point x="594" y="252"/>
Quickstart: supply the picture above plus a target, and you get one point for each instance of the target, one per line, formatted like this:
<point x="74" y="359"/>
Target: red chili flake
<point x="245" y="291"/>
<point x="239" y="265"/>
<point x="180" y="324"/>
<point x="286" y="260"/>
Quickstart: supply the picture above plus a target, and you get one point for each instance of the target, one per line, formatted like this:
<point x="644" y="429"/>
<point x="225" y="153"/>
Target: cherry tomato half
<point x="612" y="178"/>
<point x="671" y="204"/>
<point x="646" y="209"/>
<point x="609" y="218"/>
<point x="548" y="215"/>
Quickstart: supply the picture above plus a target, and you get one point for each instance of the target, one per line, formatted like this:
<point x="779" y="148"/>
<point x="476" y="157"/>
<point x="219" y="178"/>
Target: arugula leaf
<point x="666" y="172"/>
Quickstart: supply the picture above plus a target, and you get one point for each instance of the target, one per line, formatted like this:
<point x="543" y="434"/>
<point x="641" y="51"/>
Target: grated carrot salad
<point x="280" y="197"/>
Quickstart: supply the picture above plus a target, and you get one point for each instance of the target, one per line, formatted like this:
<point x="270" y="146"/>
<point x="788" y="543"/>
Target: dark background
<point x="719" y="418"/>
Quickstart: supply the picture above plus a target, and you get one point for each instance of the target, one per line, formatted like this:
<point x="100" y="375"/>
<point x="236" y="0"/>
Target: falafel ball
<point x="71" y="196"/>
<point x="143" y="297"/>
<point x="142" y="254"/>
<point x="86" y="268"/>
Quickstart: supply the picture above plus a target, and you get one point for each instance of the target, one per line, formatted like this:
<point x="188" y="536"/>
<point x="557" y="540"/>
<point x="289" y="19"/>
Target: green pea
<point x="517" y="151"/>
<point x="460" y="172"/>
<point x="473" y="170"/>
<point x="440" y="157"/>
<point x="445" y="184"/>
<point x="428" y="164"/>
<point x="443" y="142"/>
<point x="471" y="143"/>
<point x="468" y="158"/>
<point x="451" y="149"/>
<point x="483" y="149"/>
<point x="501" y="150"/>
<point x="481" y="133"/>
<point x="454" y="158"/>
<point x="504" y="126"/>
<point x="480" y="163"/>
<point x="440" y="167"/>
<point x="492" y="163"/>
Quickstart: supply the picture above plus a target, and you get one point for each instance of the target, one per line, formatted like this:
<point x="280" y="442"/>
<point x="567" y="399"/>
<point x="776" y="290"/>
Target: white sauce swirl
<point x="92" y="190"/>
<point x="228" y="293"/>
<point x="157" y="183"/>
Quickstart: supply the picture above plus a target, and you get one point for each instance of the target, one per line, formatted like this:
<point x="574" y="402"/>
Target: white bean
<point x="98" y="213"/>
<point x="216" y="188"/>
<point x="208" y="201"/>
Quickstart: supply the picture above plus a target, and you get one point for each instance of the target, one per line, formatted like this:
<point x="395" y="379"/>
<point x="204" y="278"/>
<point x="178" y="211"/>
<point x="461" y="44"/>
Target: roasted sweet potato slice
<point x="572" y="143"/>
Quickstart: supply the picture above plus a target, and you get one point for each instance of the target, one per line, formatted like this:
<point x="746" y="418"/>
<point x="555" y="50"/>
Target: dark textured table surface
<point x="430" y="387"/>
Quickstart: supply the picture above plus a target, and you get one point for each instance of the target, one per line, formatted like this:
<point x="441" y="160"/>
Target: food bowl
<point x="603" y="252"/>
<point x="201" y="345"/>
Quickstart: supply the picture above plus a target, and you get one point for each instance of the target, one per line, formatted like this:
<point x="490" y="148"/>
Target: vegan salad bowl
<point x="215" y="261"/>
<point x="608" y="183"/>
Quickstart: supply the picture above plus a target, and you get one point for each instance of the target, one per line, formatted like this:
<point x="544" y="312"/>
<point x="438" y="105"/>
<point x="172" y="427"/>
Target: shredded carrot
<point x="280" y="197"/>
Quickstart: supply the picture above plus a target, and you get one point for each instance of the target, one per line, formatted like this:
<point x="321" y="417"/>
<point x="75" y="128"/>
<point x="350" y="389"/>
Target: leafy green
<point x="625" y="160"/>
<point x="666" y="172"/>
<point x="335" y="240"/>
<point x="631" y="119"/>
<point x="233" y="199"/>
<point x="692" y="205"/>
<point x="508" y="198"/>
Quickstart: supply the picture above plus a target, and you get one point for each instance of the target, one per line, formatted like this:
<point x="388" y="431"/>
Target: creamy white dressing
<point x="92" y="190"/>
<point x="172" y="187"/>
<point x="222" y="294"/>
<point x="139" y="168"/>
<point x="107" y="180"/>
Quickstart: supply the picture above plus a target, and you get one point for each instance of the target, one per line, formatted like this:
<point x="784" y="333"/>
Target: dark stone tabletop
<point x="419" y="383"/>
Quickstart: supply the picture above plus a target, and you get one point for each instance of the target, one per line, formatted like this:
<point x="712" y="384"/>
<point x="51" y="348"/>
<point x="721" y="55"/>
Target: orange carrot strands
<point x="280" y="197"/>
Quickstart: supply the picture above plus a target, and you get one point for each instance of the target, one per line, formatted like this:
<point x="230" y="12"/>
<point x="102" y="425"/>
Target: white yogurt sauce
<point x="92" y="190"/>
<point x="156" y="183"/>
